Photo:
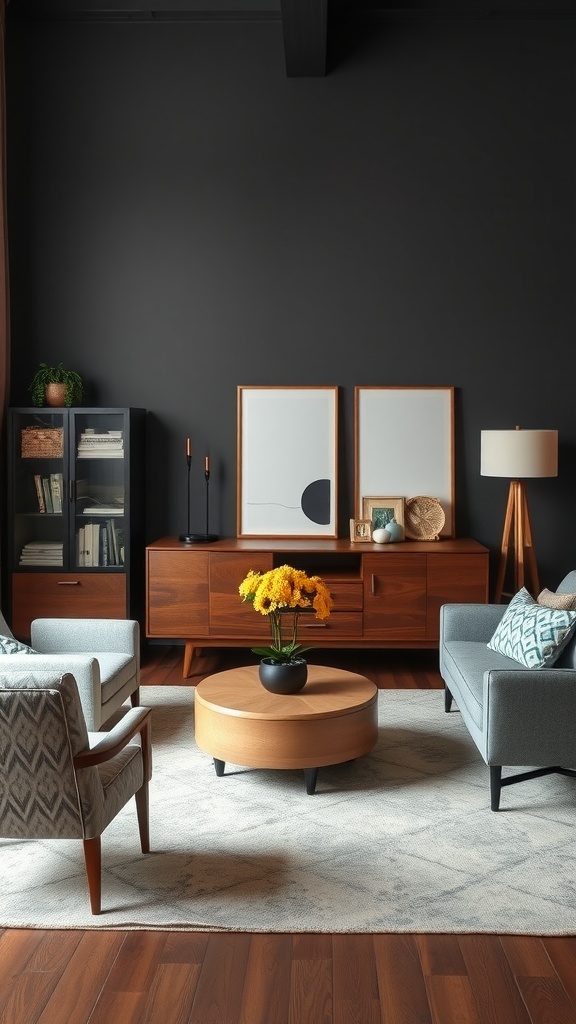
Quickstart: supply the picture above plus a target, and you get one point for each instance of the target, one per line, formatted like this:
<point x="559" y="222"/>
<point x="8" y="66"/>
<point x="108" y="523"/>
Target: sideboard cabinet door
<point x="394" y="596"/>
<point x="453" y="579"/>
<point x="177" y="584"/>
<point x="229" y="614"/>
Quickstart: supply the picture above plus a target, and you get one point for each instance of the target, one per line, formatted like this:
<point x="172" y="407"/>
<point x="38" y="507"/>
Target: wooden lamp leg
<point x="517" y="526"/>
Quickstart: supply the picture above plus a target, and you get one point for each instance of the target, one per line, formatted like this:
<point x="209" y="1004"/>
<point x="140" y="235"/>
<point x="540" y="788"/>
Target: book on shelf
<point x="80" y="546"/>
<point x="112" y="542"/>
<point x="47" y="493"/>
<point x="56" y="487"/>
<point x="97" y="453"/>
<point x="103" y="551"/>
<point x="39" y="492"/>
<point x="103" y="510"/>
<point x="91" y="531"/>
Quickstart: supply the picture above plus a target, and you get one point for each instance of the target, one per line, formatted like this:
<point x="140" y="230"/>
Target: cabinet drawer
<point x="66" y="595"/>
<point x="340" y="624"/>
<point x="347" y="597"/>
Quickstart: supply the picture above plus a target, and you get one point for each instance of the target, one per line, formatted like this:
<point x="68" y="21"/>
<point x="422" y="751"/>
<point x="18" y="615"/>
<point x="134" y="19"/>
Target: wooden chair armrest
<point x="135" y="721"/>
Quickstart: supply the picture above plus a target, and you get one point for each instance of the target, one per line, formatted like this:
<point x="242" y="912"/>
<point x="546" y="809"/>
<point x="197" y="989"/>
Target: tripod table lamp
<point x="518" y="455"/>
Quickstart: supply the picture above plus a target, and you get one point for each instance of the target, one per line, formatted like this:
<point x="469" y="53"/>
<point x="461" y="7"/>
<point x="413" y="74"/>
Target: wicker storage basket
<point x="42" y="442"/>
<point x="423" y="518"/>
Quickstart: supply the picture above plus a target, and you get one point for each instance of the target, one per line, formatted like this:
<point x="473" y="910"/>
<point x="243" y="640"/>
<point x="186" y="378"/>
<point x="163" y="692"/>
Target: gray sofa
<point x="516" y="716"/>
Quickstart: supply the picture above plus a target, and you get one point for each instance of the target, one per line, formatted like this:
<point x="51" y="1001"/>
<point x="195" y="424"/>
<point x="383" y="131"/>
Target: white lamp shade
<point x="519" y="453"/>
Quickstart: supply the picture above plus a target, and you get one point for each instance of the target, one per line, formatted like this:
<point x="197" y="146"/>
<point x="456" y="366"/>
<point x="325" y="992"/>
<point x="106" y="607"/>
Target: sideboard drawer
<point x="340" y="624"/>
<point x="346" y="596"/>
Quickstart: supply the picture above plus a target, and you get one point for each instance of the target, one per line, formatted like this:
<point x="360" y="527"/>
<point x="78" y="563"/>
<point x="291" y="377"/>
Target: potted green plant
<point x="56" y="386"/>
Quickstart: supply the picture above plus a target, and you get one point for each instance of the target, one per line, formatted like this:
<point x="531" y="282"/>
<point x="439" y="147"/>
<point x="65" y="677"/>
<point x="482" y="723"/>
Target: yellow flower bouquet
<point x="280" y="593"/>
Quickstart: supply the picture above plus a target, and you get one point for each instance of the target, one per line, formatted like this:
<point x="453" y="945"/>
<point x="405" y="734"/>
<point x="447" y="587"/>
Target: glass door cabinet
<point x="75" y="514"/>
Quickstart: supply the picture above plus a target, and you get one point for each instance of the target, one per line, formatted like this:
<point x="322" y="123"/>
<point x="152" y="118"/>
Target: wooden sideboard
<point x="384" y="595"/>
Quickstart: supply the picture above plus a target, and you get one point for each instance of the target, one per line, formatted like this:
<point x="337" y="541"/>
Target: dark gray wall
<point x="184" y="218"/>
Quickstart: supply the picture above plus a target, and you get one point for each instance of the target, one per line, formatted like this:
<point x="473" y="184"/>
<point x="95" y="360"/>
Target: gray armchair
<point x="102" y="654"/>
<point x="517" y="716"/>
<point x="53" y="785"/>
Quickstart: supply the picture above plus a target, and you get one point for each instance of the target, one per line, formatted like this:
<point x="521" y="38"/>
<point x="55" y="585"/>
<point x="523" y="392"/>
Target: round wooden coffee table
<point x="333" y="719"/>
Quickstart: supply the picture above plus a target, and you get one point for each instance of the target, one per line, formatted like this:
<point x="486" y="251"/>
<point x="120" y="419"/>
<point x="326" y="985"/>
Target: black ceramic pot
<point x="283" y="676"/>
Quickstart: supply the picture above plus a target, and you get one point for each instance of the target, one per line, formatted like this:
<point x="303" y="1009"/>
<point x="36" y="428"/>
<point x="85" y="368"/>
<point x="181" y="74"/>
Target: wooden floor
<point x="73" y="977"/>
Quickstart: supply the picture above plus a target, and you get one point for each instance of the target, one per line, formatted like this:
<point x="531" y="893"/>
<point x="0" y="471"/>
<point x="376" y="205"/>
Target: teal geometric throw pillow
<point x="532" y="635"/>
<point x="8" y="645"/>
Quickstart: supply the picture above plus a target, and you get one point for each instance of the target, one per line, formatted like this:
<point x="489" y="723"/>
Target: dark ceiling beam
<point x="305" y="29"/>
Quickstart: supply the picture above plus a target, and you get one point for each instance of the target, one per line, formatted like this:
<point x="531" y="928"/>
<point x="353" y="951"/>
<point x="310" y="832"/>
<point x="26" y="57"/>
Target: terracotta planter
<point x="55" y="395"/>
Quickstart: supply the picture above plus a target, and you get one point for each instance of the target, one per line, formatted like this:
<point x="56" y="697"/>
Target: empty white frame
<point x="287" y="461"/>
<point x="404" y="444"/>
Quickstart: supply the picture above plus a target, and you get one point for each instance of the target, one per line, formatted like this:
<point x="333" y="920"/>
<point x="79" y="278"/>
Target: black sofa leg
<point x="447" y="699"/>
<point x="495" y="786"/>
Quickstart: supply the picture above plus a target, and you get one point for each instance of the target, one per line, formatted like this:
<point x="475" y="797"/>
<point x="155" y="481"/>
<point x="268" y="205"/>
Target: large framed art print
<point x="287" y="461"/>
<point x="404" y="445"/>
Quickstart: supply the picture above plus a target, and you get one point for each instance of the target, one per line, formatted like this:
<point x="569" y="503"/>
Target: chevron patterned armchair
<point x="53" y="783"/>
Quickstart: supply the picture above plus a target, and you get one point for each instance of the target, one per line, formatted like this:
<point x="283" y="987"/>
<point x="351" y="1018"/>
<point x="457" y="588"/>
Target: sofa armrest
<point x="110" y="636"/>
<point x="473" y="622"/>
<point x="530" y="716"/>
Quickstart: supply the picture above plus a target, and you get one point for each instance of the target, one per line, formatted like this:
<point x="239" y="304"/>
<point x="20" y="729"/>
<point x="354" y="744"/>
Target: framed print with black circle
<point x="287" y="461"/>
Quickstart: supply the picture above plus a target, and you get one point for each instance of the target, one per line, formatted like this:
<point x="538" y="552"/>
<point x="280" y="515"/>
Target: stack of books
<point x="106" y="445"/>
<point x="42" y="552"/>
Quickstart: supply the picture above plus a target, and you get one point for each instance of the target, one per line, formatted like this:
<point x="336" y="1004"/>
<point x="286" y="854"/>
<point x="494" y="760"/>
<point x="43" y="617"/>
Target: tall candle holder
<point x="188" y="537"/>
<point x="205" y="538"/>
<point x="198" y="538"/>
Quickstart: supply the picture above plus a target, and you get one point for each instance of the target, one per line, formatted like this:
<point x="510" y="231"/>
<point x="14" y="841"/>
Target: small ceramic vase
<point x="395" y="530"/>
<point x="381" y="536"/>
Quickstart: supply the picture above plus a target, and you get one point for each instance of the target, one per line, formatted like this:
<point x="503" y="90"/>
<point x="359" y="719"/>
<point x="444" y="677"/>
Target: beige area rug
<point x="399" y="840"/>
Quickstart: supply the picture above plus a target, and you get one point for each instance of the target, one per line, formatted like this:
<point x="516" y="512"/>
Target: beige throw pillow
<point x="565" y="602"/>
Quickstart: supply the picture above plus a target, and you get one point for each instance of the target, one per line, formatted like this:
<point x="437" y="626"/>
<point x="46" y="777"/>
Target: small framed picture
<point x="360" y="530"/>
<point x="379" y="511"/>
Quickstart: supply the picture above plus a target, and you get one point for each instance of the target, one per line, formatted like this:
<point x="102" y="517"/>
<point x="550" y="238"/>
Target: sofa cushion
<point x="531" y="634"/>
<point x="465" y="664"/>
<point x="8" y="645"/>
<point x="564" y="602"/>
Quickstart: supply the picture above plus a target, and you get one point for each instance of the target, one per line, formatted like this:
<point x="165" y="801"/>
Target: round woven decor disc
<point x="423" y="518"/>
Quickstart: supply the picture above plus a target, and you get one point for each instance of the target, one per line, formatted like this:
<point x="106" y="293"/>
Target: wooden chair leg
<point x="135" y="698"/>
<point x="447" y="699"/>
<point x="141" y="795"/>
<point x="93" y="862"/>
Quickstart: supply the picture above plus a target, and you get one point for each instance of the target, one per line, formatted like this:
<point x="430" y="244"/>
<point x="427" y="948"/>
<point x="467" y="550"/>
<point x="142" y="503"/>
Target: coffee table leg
<point x="219" y="767"/>
<point x="310" y="777"/>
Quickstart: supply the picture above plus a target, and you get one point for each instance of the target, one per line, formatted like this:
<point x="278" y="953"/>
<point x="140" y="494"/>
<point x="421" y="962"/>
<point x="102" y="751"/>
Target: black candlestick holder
<point x="199" y="538"/>
<point x="188" y="537"/>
